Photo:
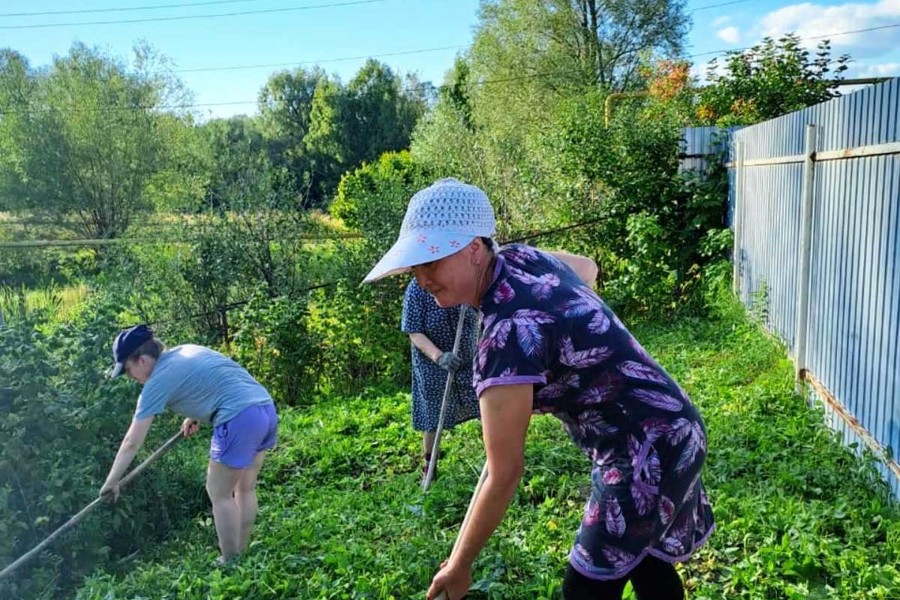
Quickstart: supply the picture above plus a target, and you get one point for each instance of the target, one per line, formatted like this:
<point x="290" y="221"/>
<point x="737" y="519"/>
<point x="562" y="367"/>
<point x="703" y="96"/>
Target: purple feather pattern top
<point x="644" y="438"/>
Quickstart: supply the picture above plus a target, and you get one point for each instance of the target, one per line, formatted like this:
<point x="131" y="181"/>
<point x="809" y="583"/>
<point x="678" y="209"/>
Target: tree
<point x="285" y="106"/>
<point x="326" y="143"/>
<point x="319" y="128"/>
<point x="374" y="113"/>
<point x="16" y="86"/>
<point x="445" y="140"/>
<point x="240" y="173"/>
<point x="89" y="139"/>
<point x="770" y="79"/>
<point x="588" y="43"/>
<point x="529" y="58"/>
<point x="380" y="112"/>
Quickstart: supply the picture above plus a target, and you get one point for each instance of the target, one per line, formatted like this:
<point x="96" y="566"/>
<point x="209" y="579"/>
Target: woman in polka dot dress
<point x="432" y="331"/>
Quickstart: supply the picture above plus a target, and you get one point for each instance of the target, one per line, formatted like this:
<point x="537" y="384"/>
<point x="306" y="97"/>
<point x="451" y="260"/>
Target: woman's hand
<point x="453" y="579"/>
<point x="189" y="427"/>
<point x="449" y="362"/>
<point x="110" y="491"/>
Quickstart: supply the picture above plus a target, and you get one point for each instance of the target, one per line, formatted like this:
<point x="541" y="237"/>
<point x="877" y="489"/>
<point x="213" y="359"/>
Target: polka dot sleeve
<point x="415" y="312"/>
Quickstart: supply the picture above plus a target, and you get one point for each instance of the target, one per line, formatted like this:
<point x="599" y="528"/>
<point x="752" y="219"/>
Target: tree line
<point x="94" y="140"/>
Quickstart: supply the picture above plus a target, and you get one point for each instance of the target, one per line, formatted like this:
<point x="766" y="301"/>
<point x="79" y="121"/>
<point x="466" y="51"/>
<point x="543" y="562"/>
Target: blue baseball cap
<point x="125" y="345"/>
<point x="440" y="221"/>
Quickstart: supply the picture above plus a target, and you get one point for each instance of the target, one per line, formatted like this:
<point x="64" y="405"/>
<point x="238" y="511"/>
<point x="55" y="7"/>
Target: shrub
<point x="357" y="332"/>
<point x="61" y="423"/>
<point x="372" y="199"/>
<point x="768" y="80"/>
<point x="358" y="327"/>
<point x="652" y="218"/>
<point x="272" y="341"/>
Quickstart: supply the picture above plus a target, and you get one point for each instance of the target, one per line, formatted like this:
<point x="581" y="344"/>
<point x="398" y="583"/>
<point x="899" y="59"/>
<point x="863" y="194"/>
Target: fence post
<point x="803" y="267"/>
<point x="738" y="220"/>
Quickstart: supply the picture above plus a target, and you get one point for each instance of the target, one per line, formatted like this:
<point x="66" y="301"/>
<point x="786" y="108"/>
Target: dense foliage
<point x="317" y="127"/>
<point x="62" y="421"/>
<point x="87" y="141"/>
<point x="94" y="142"/>
<point x="770" y="79"/>
<point x="236" y="253"/>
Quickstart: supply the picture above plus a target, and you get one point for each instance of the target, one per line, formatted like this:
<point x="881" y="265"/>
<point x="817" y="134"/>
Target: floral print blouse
<point x="646" y="441"/>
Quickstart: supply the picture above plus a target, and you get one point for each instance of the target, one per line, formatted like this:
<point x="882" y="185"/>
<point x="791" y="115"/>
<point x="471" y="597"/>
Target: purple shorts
<point x="236" y="442"/>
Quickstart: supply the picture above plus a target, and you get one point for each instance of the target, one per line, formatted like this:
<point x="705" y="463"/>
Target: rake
<point x="87" y="509"/>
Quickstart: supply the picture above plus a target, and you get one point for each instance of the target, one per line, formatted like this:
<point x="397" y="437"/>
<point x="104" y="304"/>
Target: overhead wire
<point x="494" y="81"/>
<point x="209" y="3"/>
<point x="334" y="282"/>
<point x="317" y="62"/>
<point x="809" y="37"/>
<point x="194" y="17"/>
<point x="708" y="6"/>
<point x="124" y="9"/>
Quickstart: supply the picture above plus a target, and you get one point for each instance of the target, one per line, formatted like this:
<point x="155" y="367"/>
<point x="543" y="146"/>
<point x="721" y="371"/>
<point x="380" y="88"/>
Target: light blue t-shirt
<point x="201" y="384"/>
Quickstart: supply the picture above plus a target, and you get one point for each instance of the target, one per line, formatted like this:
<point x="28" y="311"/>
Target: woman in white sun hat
<point x="551" y="345"/>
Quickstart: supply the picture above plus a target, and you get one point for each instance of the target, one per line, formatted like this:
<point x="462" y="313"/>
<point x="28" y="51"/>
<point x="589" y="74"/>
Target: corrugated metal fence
<point x="817" y="237"/>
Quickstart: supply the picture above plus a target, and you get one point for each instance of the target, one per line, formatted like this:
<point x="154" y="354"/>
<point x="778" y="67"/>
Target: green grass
<point x="342" y="515"/>
<point x="60" y="303"/>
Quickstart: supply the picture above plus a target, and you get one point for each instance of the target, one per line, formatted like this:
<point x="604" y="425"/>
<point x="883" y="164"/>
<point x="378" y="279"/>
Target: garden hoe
<point x="451" y="375"/>
<point x="84" y="511"/>
<point x="442" y="595"/>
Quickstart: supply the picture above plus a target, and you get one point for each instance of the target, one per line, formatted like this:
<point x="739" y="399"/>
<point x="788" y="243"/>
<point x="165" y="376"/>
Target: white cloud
<point x="880" y="70"/>
<point x="810" y="20"/>
<point x="719" y="21"/>
<point x="729" y="34"/>
<point x="700" y="71"/>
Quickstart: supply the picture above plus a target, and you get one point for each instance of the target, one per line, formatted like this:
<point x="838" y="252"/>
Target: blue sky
<point x="225" y="60"/>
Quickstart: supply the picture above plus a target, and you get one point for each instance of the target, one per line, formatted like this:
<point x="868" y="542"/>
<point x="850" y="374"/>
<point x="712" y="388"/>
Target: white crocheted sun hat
<point x="440" y="220"/>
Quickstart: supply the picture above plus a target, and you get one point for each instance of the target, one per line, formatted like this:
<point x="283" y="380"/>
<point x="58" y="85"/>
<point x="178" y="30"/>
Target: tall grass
<point x="58" y="303"/>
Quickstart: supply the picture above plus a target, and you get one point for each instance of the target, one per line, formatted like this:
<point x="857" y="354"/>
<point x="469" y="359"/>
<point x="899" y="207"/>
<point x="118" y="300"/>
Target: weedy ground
<point x="342" y="514"/>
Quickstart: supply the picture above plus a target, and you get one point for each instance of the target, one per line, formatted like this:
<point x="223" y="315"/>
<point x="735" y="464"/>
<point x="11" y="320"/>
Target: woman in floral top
<point x="550" y="345"/>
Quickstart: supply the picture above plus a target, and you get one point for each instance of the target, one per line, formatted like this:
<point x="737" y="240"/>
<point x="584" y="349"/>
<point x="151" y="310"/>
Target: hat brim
<point x="116" y="370"/>
<point x="416" y="249"/>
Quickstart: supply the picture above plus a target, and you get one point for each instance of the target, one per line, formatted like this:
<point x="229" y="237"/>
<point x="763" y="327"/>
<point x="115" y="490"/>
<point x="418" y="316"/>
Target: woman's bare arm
<point x="583" y="266"/>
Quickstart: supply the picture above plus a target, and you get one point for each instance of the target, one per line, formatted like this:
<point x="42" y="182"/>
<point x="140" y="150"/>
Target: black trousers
<point x="652" y="579"/>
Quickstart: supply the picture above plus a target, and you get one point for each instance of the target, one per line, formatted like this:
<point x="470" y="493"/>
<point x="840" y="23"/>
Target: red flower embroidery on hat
<point x="422" y="237"/>
<point x="434" y="249"/>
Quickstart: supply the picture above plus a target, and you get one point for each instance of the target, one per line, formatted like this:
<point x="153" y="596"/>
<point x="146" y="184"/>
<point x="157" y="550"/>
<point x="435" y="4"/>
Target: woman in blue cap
<point x="206" y="387"/>
<point x="551" y="345"/>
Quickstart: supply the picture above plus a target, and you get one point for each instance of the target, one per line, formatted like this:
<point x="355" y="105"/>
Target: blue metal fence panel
<point x="854" y="318"/>
<point x="700" y="145"/>
<point x="771" y="234"/>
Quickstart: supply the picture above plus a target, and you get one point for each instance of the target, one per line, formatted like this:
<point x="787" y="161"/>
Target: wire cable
<point x="441" y="87"/>
<point x="189" y="17"/>
<point x="318" y="62"/>
<point x="124" y="9"/>
<point x="809" y="37"/>
<point x="699" y="8"/>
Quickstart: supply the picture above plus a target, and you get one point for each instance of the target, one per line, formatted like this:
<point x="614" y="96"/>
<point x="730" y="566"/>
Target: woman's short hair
<point x="152" y="348"/>
<point x="489" y="243"/>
